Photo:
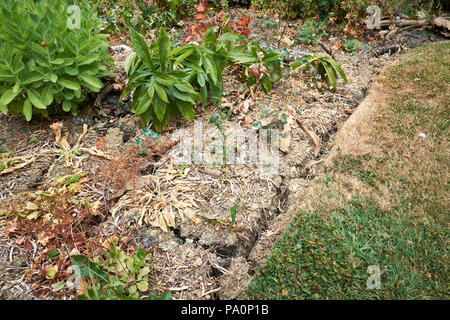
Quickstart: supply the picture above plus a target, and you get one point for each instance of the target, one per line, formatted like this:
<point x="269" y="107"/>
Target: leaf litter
<point x="182" y="214"/>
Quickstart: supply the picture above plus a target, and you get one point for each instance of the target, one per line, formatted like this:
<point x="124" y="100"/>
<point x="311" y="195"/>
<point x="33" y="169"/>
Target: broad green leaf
<point x="9" y="96"/>
<point x="27" y="110"/>
<point x="193" y="65"/>
<point x="92" y="81"/>
<point x="88" y="59"/>
<point x="163" y="47"/>
<point x="337" y="68"/>
<point x="131" y="64"/>
<point x="69" y="84"/>
<point x="231" y="36"/>
<point x="73" y="71"/>
<point x="142" y="286"/>
<point x="16" y="87"/>
<point x="204" y="95"/>
<point x="146" y="117"/>
<point x="151" y="91"/>
<point x="88" y="268"/>
<point x="36" y="100"/>
<point x="185" y="87"/>
<point x="47" y="96"/>
<point x="33" y="77"/>
<point x="184" y="96"/>
<point x="201" y="80"/>
<point x="210" y="37"/>
<point x="53" y="78"/>
<point x="210" y="68"/>
<point x="58" y="286"/>
<point x="242" y="58"/>
<point x="143" y="105"/>
<point x="57" y="61"/>
<point x="53" y="253"/>
<point x="271" y="56"/>
<point x="146" y="270"/>
<point x="165" y="79"/>
<point x="159" y="108"/>
<point x="140" y="46"/>
<point x="161" y="92"/>
<point x="167" y="295"/>
<point x="186" y="109"/>
<point x="67" y="105"/>
<point x="266" y="84"/>
<point x="182" y="57"/>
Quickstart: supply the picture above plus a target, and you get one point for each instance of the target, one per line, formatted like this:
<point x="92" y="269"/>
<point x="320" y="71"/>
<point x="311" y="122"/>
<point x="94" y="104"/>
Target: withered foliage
<point x="196" y="30"/>
<point x="54" y="219"/>
<point x="125" y="170"/>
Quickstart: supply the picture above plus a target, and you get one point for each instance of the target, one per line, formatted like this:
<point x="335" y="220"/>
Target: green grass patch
<point x="326" y="251"/>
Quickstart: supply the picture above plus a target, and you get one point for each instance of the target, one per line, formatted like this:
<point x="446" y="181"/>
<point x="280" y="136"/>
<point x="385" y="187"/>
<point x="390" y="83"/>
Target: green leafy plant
<point x="352" y="45"/>
<point x="260" y="67"/>
<point x="168" y="82"/>
<point x="45" y="65"/>
<point x="140" y="15"/>
<point x="233" y="211"/>
<point x="327" y="68"/>
<point x="218" y="119"/>
<point x="116" y="276"/>
<point x="164" y="80"/>
<point x="311" y="31"/>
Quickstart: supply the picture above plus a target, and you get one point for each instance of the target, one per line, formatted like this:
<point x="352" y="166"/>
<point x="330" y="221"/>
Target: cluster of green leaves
<point x="311" y="31"/>
<point x="164" y="80"/>
<point x="117" y="276"/>
<point x="43" y="63"/>
<point x="327" y="68"/>
<point x="168" y="82"/>
<point x="352" y="45"/>
<point x="344" y="10"/>
<point x="141" y="15"/>
<point x="251" y="55"/>
<point x="218" y="119"/>
<point x="6" y="161"/>
<point x="118" y="16"/>
<point x="289" y="8"/>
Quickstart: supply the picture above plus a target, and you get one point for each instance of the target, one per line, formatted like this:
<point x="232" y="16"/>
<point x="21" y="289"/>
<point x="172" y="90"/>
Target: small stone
<point x="114" y="137"/>
<point x="169" y="245"/>
<point x="277" y="181"/>
<point x="198" y="262"/>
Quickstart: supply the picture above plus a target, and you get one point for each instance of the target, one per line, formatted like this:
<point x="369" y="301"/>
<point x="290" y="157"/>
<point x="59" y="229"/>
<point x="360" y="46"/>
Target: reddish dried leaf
<point x="245" y="32"/>
<point x="28" y="246"/>
<point x="11" y="228"/>
<point x="188" y="38"/>
<point x="20" y="240"/>
<point x="244" y="21"/>
<point x="35" y="285"/>
<point x="202" y="6"/>
<point x="200" y="17"/>
<point x="221" y="15"/>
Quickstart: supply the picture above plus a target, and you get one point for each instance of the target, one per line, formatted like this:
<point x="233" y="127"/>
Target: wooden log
<point x="402" y="22"/>
<point x="390" y="50"/>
